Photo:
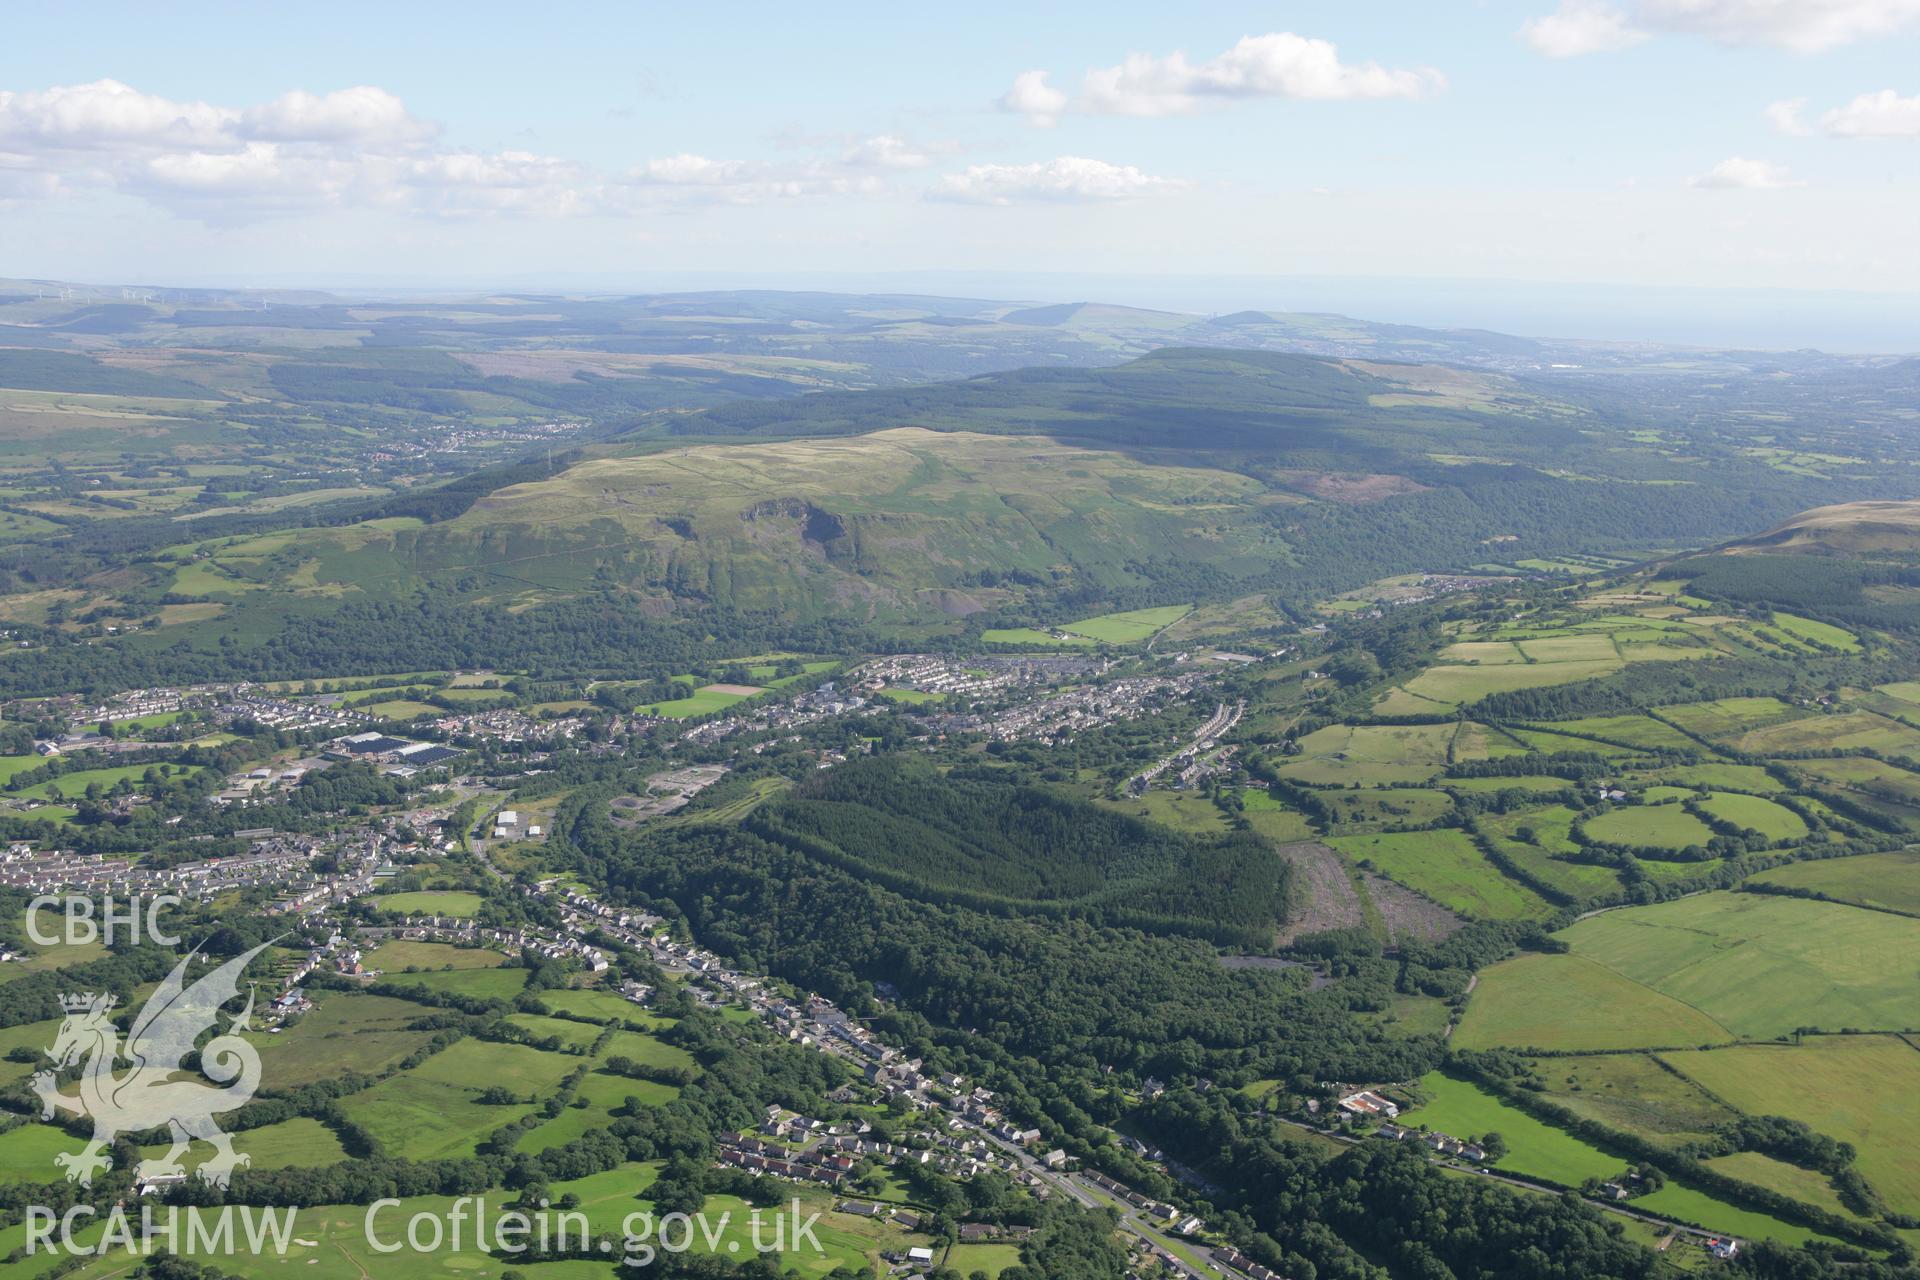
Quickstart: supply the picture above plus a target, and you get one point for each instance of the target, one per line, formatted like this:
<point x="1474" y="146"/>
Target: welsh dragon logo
<point x="158" y="1089"/>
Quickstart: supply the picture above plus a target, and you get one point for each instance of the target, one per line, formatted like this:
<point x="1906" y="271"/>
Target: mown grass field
<point x="1776" y="822"/>
<point x="1130" y="627"/>
<point x="1528" y="1002"/>
<point x="431" y="902"/>
<point x="1445" y="866"/>
<point x="1859" y="1089"/>
<point x="397" y="955"/>
<point x="1761" y="966"/>
<point x="1657" y="826"/>
<point x="704" y="701"/>
<point x="1726" y="717"/>
<point x="483" y="984"/>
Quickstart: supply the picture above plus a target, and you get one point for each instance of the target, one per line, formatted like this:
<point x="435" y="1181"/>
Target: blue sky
<point x="1714" y="143"/>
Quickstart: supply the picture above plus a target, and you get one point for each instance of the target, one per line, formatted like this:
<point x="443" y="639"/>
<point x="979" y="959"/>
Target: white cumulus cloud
<point x="1740" y="173"/>
<point x="1279" y="64"/>
<point x="1580" y="27"/>
<point x="1032" y="97"/>
<point x="1784" y="117"/>
<point x="1065" y="179"/>
<point x="1875" y="115"/>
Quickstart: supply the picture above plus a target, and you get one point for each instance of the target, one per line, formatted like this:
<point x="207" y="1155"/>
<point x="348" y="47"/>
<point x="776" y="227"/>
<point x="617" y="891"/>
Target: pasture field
<point x="1467" y="684"/>
<point x="481" y="984"/>
<point x="1272" y="819"/>
<point x="1398" y="702"/>
<point x="399" y="954"/>
<point x="573" y="1035"/>
<point x="1032" y="638"/>
<point x="1130" y="627"/>
<point x="1632" y="1092"/>
<point x="1524" y="1002"/>
<point x="1656" y="826"/>
<point x="989" y="1259"/>
<point x="68" y="786"/>
<point x="703" y="701"/>
<point x="1638" y="731"/>
<point x="647" y="1049"/>
<point x="1576" y="879"/>
<point x="1863" y="773"/>
<point x="1484" y="742"/>
<point x="1362" y="808"/>
<point x="1761" y="966"/>
<point x="601" y="1006"/>
<point x="1726" y="717"/>
<point x="597" y="1095"/>
<point x="1859" y="1089"/>
<point x="1550" y="743"/>
<point x="1887" y="880"/>
<point x="431" y="1112"/>
<point x="1776" y="822"/>
<point x="404" y="709"/>
<point x="1832" y="733"/>
<point x="1445" y="866"/>
<point x="1824" y="634"/>
<point x="1803" y="1185"/>
<point x="1569" y="648"/>
<point x="1538" y="1150"/>
<point x="1535" y="1149"/>
<point x="1370" y="755"/>
<point x="27" y="1152"/>
<point x="301" y="1142"/>
<point x="1520" y="782"/>
<point x="1188" y="811"/>
<point x="12" y="767"/>
<point x="431" y="902"/>
<point x="1713" y="776"/>
<point x="344" y="1031"/>
<point x="1485" y="653"/>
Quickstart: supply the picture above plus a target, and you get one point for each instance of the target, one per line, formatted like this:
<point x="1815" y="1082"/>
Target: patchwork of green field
<point x="1760" y="965"/>
<point x="344" y="1031"/>
<point x="431" y="1112"/>
<point x="1654" y="826"/>
<point x="434" y="902"/>
<point x="1524" y="1002"/>
<point x="1756" y="813"/>
<point x="1832" y="733"/>
<point x="1370" y="755"/>
<point x="703" y="701"/>
<point x="1860" y="1089"/>
<point x="400" y="954"/>
<point x="1726" y="717"/>
<point x="1445" y="866"/>
<point x="1635" y="1093"/>
<point x="1130" y="627"/>
<point x="1890" y="881"/>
